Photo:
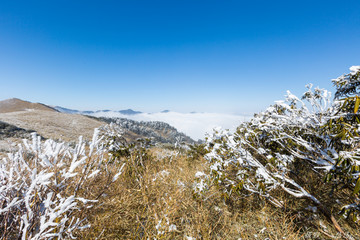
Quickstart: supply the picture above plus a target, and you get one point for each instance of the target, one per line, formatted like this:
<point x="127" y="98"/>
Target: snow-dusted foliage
<point x="134" y="154"/>
<point x="41" y="187"/>
<point x="263" y="154"/>
<point x="258" y="157"/>
<point x="158" y="132"/>
<point x="344" y="127"/>
<point x="348" y="84"/>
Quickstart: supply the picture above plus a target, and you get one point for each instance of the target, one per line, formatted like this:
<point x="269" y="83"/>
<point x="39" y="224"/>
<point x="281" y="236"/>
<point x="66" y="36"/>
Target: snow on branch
<point x="40" y="187"/>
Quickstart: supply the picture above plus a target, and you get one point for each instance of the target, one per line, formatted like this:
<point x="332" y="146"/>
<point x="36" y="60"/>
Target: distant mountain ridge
<point x="72" y="111"/>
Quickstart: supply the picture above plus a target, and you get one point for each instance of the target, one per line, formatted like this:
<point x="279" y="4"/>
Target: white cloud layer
<point x="195" y="125"/>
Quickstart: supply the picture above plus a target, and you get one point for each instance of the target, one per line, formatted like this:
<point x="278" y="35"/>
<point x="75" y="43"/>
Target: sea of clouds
<point x="195" y="125"/>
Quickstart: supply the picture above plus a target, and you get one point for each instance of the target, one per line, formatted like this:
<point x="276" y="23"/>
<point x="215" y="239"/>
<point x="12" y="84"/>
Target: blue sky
<point x="205" y="56"/>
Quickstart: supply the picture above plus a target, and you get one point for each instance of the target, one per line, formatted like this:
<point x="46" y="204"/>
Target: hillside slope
<point x="52" y="124"/>
<point x="11" y="131"/>
<point x="15" y="104"/>
<point x="10" y="135"/>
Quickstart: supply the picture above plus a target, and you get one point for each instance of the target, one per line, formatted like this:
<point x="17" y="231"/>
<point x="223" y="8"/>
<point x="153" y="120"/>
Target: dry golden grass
<point x="154" y="199"/>
<point x="150" y="206"/>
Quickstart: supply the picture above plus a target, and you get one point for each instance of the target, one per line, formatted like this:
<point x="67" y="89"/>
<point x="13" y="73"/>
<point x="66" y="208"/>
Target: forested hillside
<point x="157" y="132"/>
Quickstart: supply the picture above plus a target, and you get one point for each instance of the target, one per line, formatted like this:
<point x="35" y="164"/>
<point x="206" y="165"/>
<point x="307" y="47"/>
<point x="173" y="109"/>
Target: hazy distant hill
<point x="15" y="104"/>
<point x="72" y="111"/>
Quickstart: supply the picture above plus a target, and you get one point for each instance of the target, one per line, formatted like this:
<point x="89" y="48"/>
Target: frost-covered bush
<point x="43" y="187"/>
<point x="344" y="128"/>
<point x="259" y="155"/>
<point x="134" y="154"/>
<point x="313" y="132"/>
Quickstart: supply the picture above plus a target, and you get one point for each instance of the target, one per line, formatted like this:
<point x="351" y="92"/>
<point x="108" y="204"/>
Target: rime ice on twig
<point x="35" y="202"/>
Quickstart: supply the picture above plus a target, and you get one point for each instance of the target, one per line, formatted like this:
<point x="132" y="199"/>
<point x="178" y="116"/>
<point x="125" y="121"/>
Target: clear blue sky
<point x="211" y="56"/>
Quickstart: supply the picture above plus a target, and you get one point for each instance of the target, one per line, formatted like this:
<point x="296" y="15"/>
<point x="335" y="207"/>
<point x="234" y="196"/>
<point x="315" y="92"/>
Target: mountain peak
<point x="129" y="112"/>
<point x="16" y="104"/>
